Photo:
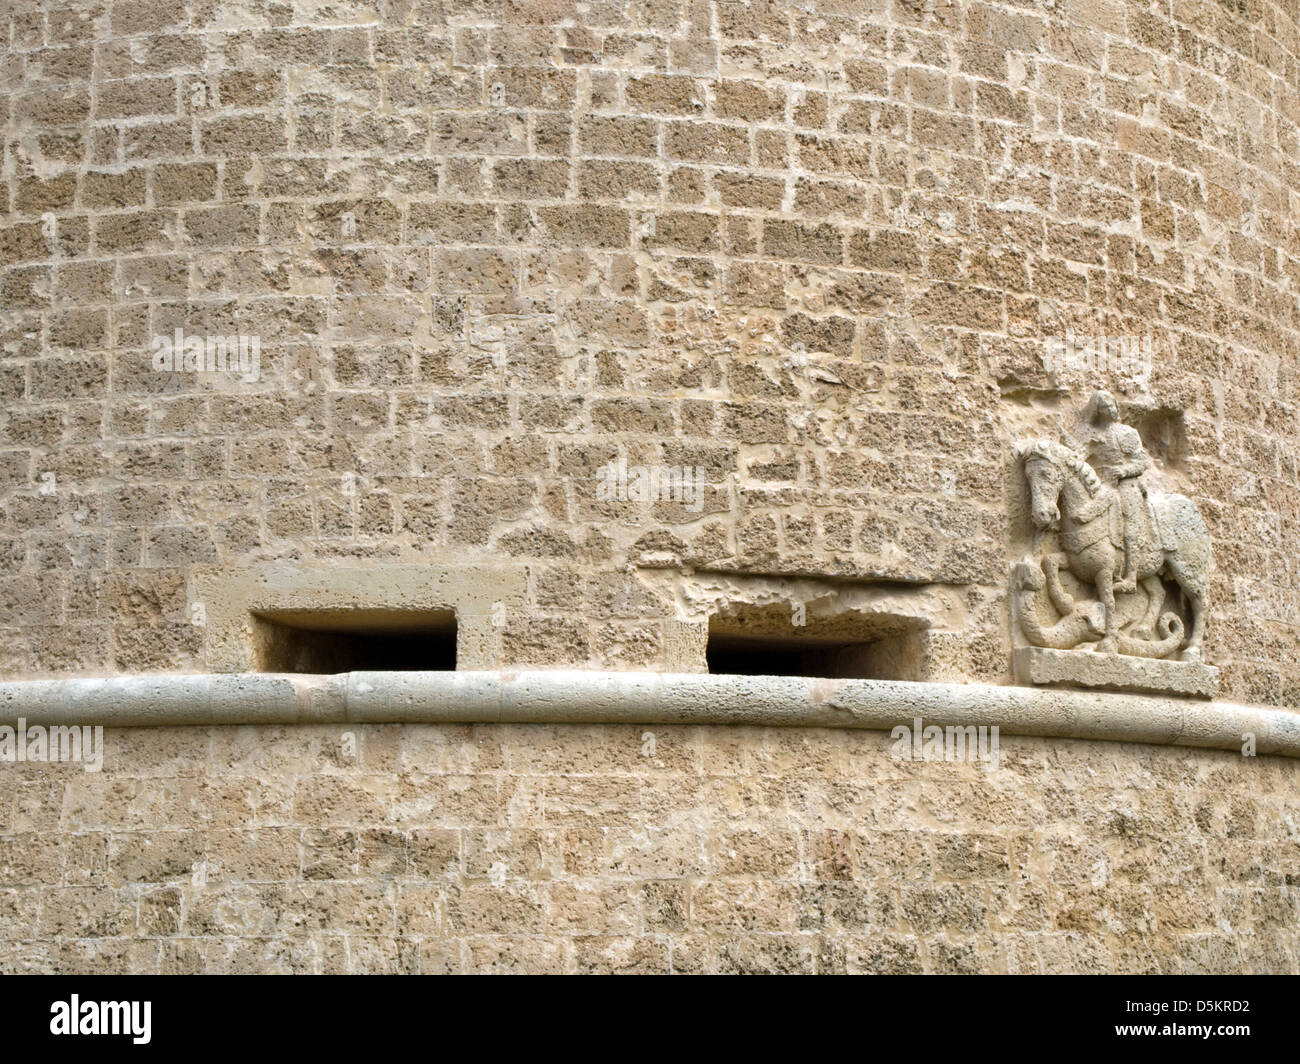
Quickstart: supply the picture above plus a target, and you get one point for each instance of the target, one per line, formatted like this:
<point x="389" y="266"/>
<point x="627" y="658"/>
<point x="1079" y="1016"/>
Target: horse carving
<point x="1165" y="539"/>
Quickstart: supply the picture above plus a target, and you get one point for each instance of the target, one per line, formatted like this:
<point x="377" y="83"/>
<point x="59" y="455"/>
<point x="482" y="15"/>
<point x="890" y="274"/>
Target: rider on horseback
<point x="1115" y="451"/>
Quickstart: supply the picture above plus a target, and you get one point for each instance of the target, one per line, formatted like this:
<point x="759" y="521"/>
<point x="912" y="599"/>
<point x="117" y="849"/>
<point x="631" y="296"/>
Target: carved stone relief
<point x="1116" y="589"/>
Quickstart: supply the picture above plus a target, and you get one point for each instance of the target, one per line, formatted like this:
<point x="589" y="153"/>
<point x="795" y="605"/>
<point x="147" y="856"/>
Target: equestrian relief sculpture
<point x="1137" y="562"/>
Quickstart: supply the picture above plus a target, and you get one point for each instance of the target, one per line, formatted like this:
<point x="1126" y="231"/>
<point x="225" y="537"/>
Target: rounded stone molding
<point x="569" y="696"/>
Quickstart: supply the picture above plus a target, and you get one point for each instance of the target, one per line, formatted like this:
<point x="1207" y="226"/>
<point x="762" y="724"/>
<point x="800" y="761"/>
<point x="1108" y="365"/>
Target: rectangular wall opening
<point x="360" y="640"/>
<point x="764" y="641"/>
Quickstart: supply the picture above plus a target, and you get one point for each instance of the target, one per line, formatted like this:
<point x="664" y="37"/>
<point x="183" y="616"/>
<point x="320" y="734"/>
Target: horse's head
<point x="1045" y="475"/>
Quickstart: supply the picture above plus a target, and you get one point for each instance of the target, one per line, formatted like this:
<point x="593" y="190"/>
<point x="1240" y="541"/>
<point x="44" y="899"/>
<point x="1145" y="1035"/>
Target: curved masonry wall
<point x="655" y="847"/>
<point x="508" y="847"/>
<point x="816" y="252"/>
<point x="819" y="255"/>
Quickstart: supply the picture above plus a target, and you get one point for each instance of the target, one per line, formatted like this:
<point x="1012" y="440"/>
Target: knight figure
<point x="1116" y="453"/>
<point x="1114" y="537"/>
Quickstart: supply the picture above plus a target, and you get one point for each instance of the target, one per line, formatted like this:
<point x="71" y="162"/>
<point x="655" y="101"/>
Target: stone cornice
<point x="586" y="697"/>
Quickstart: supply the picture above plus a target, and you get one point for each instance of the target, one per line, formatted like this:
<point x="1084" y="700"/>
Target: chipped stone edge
<point x="584" y="697"/>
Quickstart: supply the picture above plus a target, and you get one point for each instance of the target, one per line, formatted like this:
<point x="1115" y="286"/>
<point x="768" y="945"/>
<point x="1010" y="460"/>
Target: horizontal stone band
<point x="585" y="697"/>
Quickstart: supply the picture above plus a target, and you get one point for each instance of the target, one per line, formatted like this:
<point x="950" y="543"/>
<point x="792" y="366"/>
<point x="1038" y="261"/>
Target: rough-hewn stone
<point x="821" y="239"/>
<point x="488" y="249"/>
<point x="614" y="848"/>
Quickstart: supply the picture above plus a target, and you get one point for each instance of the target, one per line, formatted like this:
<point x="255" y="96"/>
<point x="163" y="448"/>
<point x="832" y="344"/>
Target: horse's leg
<point x="1106" y="592"/>
<point x="1192" y="652"/>
<point x="1155" y="589"/>
<point x="1052" y="570"/>
<point x="1194" y="589"/>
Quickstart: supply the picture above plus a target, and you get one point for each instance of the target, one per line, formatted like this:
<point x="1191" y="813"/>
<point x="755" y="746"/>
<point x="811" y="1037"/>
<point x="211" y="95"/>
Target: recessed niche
<point x="765" y="641"/>
<point x="354" y="640"/>
<point x="1164" y="434"/>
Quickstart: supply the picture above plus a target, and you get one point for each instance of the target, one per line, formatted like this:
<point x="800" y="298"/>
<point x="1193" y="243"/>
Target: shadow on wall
<point x="346" y="640"/>
<point x="770" y="641"/>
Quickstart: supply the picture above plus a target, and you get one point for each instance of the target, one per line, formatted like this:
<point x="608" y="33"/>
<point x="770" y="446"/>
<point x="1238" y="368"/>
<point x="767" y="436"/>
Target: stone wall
<point x="814" y="250"/>
<point x="718" y="849"/>
<point x="486" y="247"/>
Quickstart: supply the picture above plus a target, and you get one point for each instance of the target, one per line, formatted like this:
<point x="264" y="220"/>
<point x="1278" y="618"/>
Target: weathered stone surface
<point x="483" y="268"/>
<point x="1127" y="547"/>
<point x="479" y="848"/>
<point x="584" y="696"/>
<point x="1114" y="672"/>
<point x="819" y="252"/>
